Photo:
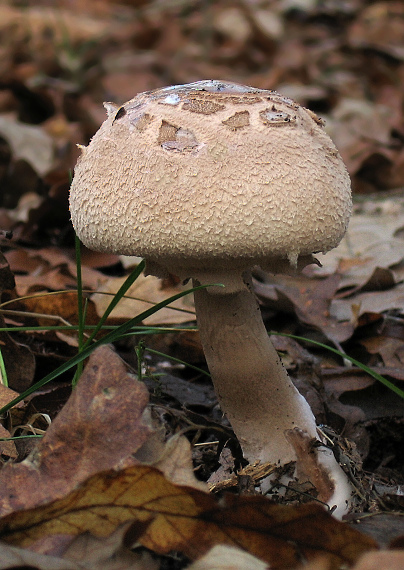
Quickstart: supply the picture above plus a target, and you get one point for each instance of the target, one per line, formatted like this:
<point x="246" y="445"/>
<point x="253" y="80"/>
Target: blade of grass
<point x="157" y="353"/>
<point x="20" y="437"/>
<point x="117" y="297"/>
<point x="360" y="365"/>
<point x="108" y="338"/>
<point x="139" y="350"/>
<point x="3" y="371"/>
<point x="81" y="315"/>
<point x="80" y="312"/>
<point x="140" y="329"/>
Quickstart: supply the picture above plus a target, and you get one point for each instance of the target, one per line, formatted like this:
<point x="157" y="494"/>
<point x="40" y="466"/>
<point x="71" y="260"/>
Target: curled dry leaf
<point x="100" y="425"/>
<point x="190" y="521"/>
<point x="175" y="461"/>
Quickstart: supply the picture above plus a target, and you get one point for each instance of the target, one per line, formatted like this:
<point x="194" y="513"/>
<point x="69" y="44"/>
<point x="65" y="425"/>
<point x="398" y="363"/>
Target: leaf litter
<point x="181" y="518"/>
<point x="343" y="60"/>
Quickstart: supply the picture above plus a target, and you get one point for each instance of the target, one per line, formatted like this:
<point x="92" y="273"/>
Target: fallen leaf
<point x="374" y="302"/>
<point x="59" y="309"/>
<point x="13" y="557"/>
<point x="373" y="240"/>
<point x="228" y="558"/>
<point x="6" y="276"/>
<point x="100" y="425"/>
<point x="186" y="393"/>
<point x="30" y="143"/>
<point x="7" y="448"/>
<point x="379" y="27"/>
<point x="54" y="20"/>
<point x="19" y="362"/>
<point x="390" y="349"/>
<point x="359" y="128"/>
<point x="141" y="296"/>
<point x="310" y="300"/>
<point x="6" y="395"/>
<point x="384" y="527"/>
<point x="387" y="560"/>
<point x="188" y="520"/>
<point x="111" y="553"/>
<point x="176" y="463"/>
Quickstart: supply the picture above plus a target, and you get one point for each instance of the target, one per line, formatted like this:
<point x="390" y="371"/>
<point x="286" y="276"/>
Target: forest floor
<point x="59" y="62"/>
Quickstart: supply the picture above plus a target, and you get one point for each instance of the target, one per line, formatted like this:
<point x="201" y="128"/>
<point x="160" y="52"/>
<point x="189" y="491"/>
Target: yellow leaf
<point x="173" y="517"/>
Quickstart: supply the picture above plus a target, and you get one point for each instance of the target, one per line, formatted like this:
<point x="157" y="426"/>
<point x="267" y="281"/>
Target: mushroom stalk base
<point x="253" y="388"/>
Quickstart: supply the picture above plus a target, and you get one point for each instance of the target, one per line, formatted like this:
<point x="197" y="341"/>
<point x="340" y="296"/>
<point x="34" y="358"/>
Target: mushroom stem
<point x="252" y="386"/>
<point x="256" y="393"/>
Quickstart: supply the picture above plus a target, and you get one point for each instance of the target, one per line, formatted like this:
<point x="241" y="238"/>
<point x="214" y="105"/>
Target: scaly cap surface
<point x="211" y="176"/>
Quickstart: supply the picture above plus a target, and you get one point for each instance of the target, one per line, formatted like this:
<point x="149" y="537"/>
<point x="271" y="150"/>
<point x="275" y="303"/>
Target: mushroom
<point x="206" y="181"/>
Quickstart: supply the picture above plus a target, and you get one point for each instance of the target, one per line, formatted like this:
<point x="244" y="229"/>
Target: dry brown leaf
<point x="62" y="306"/>
<point x="30" y="143"/>
<point x="360" y="129"/>
<point x="146" y="291"/>
<point x="49" y="268"/>
<point x="317" y="564"/>
<point x="52" y="279"/>
<point x="7" y="448"/>
<point x="390" y="349"/>
<point x="172" y="456"/>
<point x="176" y="463"/>
<point x="373" y="239"/>
<point x="373" y="302"/>
<point x="42" y="20"/>
<point x="59" y="309"/>
<point x="380" y="27"/>
<point x="310" y="300"/>
<point x="6" y="395"/>
<point x="188" y="520"/>
<point x="100" y="425"/>
<point x="18" y="360"/>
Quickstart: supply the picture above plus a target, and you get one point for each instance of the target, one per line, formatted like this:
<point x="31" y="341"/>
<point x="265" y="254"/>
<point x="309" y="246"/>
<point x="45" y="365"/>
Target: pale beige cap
<point x="202" y="178"/>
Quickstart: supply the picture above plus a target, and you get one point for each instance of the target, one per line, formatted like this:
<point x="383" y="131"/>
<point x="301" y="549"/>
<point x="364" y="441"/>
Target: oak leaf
<point x="100" y="426"/>
<point x="185" y="519"/>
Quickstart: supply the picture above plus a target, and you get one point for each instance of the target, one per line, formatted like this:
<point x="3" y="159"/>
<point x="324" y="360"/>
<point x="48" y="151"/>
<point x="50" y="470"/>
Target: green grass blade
<point x="3" y="371"/>
<point x="360" y="365"/>
<point x="80" y="311"/>
<point x="196" y="368"/>
<point x="108" y="338"/>
<point x="117" y="297"/>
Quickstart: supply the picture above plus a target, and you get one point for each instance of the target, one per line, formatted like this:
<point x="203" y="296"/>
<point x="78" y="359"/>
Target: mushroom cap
<point x="208" y="177"/>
